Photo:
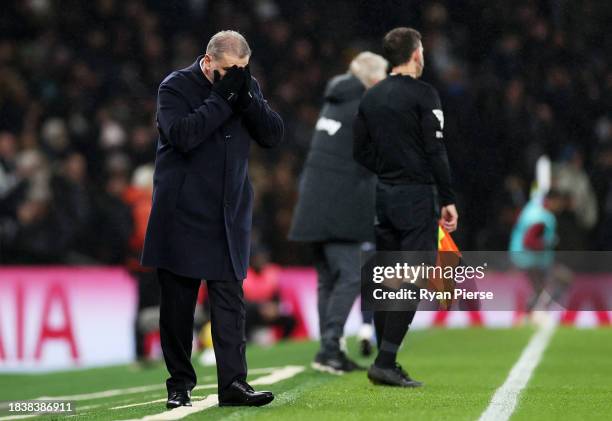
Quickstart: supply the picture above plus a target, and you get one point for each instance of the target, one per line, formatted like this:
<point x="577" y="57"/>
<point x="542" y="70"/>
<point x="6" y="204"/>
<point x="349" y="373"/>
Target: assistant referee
<point x="398" y="135"/>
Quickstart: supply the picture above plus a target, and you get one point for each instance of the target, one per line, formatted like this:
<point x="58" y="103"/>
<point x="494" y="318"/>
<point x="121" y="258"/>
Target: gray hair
<point x="228" y="42"/>
<point x="369" y="68"/>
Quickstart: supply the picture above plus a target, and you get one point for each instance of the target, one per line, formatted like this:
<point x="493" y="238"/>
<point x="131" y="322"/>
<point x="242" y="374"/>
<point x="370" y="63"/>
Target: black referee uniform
<point x="398" y="135"/>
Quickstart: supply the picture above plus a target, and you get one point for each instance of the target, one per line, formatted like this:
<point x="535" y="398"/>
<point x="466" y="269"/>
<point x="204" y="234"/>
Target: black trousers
<point x="407" y="220"/>
<point x="227" y="312"/>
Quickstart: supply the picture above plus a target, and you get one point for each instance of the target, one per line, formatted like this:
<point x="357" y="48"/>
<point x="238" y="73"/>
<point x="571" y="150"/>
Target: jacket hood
<point x="344" y="88"/>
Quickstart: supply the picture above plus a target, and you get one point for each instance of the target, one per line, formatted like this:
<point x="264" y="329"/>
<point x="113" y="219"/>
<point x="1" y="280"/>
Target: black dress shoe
<point x="240" y="393"/>
<point x="176" y="399"/>
<point x="392" y="376"/>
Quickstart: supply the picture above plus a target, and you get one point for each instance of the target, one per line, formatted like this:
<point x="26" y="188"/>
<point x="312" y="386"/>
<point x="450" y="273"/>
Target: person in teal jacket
<point x="533" y="240"/>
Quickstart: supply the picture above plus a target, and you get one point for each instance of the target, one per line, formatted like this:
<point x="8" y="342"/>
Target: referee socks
<point x="387" y="355"/>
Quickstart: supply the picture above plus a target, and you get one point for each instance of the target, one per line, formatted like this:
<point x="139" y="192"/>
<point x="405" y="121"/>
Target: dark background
<point x="78" y="83"/>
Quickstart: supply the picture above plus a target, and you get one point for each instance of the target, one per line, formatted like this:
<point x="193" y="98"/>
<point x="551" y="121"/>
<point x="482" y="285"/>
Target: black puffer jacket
<point x="336" y="200"/>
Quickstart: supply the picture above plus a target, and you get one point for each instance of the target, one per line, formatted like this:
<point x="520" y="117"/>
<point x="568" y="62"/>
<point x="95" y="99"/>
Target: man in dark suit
<point x="200" y="222"/>
<point x="335" y="210"/>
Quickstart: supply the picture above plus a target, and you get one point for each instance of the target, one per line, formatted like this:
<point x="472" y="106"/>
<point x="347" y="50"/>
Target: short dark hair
<point x="399" y="44"/>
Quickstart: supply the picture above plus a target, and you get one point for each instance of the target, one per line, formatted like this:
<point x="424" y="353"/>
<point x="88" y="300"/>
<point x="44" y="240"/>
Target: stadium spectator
<point x="263" y="303"/>
<point x="138" y="197"/>
<point x="602" y="177"/>
<point x="571" y="178"/>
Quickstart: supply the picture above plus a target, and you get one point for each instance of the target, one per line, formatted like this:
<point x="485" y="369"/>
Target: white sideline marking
<point x="138" y="389"/>
<point x="183" y="411"/>
<point x="263" y="370"/>
<point x="504" y="400"/>
<point x="150" y="402"/>
<point x="276" y="376"/>
<point x="139" y="404"/>
<point x="104" y="393"/>
<point x="212" y="400"/>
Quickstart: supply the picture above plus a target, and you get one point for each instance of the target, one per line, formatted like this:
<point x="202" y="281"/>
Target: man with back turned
<point x="335" y="209"/>
<point x="398" y="135"/>
<point x="208" y="114"/>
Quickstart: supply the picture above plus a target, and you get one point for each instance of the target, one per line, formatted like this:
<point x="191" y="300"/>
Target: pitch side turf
<point x="462" y="369"/>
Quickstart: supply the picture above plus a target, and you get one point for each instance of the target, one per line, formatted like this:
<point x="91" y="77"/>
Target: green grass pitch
<point x="461" y="369"/>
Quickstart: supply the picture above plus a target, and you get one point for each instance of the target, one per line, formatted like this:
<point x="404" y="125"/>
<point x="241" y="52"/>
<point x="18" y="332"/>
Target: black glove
<point x="245" y="96"/>
<point x="229" y="86"/>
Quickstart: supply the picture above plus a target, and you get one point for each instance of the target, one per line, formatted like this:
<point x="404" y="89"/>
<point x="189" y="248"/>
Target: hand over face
<point x="228" y="87"/>
<point x="245" y="97"/>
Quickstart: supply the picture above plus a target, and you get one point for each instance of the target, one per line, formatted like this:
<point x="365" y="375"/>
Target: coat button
<point x="228" y="136"/>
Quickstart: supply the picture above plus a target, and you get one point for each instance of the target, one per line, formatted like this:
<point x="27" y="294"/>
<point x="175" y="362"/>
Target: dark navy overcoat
<point x="200" y="221"/>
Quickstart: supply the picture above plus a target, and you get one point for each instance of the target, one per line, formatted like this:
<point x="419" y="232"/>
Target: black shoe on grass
<point x="178" y="398"/>
<point x="240" y="393"/>
<point x="392" y="376"/>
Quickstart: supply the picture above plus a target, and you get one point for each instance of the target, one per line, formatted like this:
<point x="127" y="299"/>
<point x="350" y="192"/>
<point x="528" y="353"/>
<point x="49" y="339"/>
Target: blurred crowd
<point x="78" y="82"/>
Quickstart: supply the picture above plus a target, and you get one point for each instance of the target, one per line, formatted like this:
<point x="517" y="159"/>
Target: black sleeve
<point x="364" y="151"/>
<point x="185" y="128"/>
<point x="263" y="123"/>
<point x="432" y="125"/>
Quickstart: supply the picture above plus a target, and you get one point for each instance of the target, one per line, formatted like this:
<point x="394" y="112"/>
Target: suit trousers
<point x="339" y="281"/>
<point x="227" y="312"/>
